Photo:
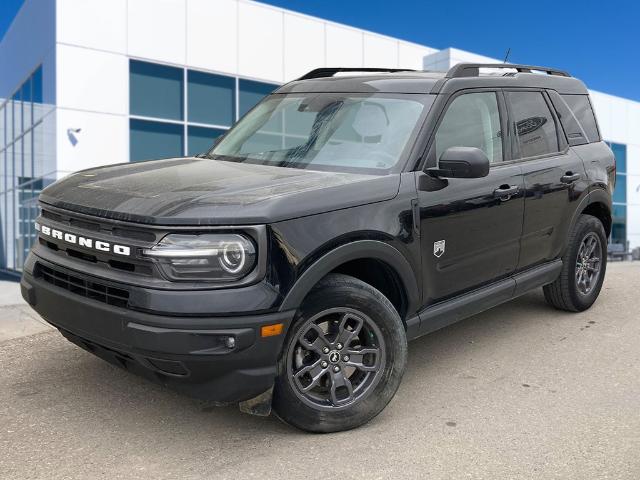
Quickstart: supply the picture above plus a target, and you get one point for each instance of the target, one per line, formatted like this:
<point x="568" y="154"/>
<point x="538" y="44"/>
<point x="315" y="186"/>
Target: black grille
<point x="86" y="288"/>
<point x="102" y="226"/>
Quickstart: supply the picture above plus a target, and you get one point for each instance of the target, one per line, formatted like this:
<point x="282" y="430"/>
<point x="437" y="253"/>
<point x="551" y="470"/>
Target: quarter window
<point x="472" y="120"/>
<point x="533" y="124"/>
<point x="581" y="108"/>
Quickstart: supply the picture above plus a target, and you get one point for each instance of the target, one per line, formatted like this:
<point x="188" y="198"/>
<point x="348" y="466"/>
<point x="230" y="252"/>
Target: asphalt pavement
<point x="520" y="391"/>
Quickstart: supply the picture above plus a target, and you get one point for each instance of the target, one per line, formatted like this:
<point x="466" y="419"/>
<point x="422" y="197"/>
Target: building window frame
<point x="185" y="122"/>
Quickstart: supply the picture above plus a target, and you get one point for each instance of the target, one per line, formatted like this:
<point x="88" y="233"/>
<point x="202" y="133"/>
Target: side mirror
<point x="461" y="162"/>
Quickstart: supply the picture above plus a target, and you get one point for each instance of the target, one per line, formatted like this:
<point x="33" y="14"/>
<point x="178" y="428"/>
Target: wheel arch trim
<point x="597" y="195"/>
<point x="358" y="250"/>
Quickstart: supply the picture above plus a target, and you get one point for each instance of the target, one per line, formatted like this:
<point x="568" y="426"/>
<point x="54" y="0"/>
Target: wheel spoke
<point x="588" y="263"/>
<point x="593" y="266"/>
<point x="349" y="328"/>
<point x="339" y="380"/>
<point x="315" y="371"/>
<point x="316" y="344"/>
<point x="357" y="357"/>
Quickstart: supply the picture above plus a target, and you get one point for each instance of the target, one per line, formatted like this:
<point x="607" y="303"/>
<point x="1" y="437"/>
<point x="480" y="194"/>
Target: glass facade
<point x="619" y="227"/>
<point x="21" y="169"/>
<point x="176" y="111"/>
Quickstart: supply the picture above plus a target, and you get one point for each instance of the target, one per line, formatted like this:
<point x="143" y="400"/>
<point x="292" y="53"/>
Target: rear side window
<point x="581" y="108"/>
<point x="533" y="123"/>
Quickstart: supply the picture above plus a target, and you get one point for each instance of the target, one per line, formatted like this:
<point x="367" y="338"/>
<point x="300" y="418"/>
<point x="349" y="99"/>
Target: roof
<point x="461" y="76"/>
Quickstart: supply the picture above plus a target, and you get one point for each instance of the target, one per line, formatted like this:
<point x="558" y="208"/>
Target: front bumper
<point x="189" y="354"/>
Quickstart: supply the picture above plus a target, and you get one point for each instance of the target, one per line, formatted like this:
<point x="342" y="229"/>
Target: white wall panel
<point x="212" y="35"/>
<point x="633" y="158"/>
<point x="633" y="125"/>
<point x="157" y="30"/>
<point x="93" y="23"/>
<point x="633" y="190"/>
<point x="103" y="140"/>
<point x="602" y="108"/>
<point x="92" y="80"/>
<point x="618" y="119"/>
<point x="410" y="55"/>
<point x="304" y="45"/>
<point x="260" y="44"/>
<point x="344" y="46"/>
<point x="380" y="51"/>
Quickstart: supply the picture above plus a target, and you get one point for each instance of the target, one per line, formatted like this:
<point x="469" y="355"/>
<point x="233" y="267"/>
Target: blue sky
<point x="598" y="42"/>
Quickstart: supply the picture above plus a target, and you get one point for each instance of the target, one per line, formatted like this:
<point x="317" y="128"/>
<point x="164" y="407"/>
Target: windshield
<point x="326" y="131"/>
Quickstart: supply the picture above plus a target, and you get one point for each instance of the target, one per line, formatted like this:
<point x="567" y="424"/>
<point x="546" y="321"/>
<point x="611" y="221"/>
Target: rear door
<point x="470" y="227"/>
<point x="554" y="175"/>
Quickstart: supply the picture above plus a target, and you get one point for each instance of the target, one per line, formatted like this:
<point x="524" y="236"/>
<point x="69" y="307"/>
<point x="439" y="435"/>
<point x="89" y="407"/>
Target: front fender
<point x="359" y="249"/>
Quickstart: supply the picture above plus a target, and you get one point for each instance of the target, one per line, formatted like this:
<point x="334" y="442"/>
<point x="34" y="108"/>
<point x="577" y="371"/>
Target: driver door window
<point x="472" y="120"/>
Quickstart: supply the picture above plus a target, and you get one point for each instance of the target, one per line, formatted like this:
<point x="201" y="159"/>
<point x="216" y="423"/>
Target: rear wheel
<point x="343" y="359"/>
<point x="583" y="269"/>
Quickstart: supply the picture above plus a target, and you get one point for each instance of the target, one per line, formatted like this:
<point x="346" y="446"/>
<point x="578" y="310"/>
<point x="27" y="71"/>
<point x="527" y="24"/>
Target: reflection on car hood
<point x="196" y="191"/>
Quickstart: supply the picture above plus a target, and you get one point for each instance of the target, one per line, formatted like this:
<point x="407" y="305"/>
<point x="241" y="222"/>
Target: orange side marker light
<point x="271" y="330"/>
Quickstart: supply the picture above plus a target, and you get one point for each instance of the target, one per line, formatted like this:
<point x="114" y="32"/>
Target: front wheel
<point x="583" y="269"/>
<point x="343" y="359"/>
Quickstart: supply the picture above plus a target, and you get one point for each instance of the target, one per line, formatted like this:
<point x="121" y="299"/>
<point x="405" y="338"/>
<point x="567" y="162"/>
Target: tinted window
<point x="155" y="90"/>
<point x="581" y="108"/>
<point x="151" y="140"/>
<point x="201" y="139"/>
<point x="620" y="152"/>
<point x="472" y="120"/>
<point x="212" y="98"/>
<point x="251" y="93"/>
<point x="533" y="123"/>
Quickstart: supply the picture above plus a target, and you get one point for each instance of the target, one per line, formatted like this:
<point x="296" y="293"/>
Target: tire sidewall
<point x="586" y="225"/>
<point x="351" y="293"/>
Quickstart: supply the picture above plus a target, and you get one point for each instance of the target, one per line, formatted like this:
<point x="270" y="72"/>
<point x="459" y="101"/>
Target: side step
<point x="442" y="314"/>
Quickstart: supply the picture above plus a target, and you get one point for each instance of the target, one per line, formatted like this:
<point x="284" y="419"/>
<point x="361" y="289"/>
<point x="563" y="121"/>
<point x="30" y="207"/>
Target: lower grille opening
<point x="50" y="245"/>
<point x="81" y="255"/>
<point x="86" y="288"/>
<point x="129" y="267"/>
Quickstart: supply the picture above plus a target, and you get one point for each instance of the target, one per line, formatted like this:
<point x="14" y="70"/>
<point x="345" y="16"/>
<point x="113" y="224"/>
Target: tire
<point x="567" y="292"/>
<point x="371" y="325"/>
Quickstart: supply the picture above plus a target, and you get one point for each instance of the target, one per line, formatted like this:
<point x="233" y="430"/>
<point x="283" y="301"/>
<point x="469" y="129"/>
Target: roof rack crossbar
<point x="330" y="72"/>
<point x="473" y="69"/>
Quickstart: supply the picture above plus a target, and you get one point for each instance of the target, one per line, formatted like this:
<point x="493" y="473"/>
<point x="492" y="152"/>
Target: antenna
<point x="507" y="55"/>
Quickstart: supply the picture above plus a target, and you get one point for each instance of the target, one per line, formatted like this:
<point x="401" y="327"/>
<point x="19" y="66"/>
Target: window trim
<point x="563" y="146"/>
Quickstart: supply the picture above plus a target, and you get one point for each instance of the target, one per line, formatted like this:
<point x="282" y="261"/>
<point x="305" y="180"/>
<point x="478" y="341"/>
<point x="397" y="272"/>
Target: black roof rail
<point x="330" y="72"/>
<point x="473" y="69"/>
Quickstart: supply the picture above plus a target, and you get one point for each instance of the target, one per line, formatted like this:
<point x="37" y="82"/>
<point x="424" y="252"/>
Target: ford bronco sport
<point x="348" y="212"/>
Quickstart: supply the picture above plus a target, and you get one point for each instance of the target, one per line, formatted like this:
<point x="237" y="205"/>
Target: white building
<point x="92" y="82"/>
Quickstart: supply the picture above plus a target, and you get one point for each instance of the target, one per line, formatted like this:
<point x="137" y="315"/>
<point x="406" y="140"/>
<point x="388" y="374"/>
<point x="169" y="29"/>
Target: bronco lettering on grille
<point x="86" y="242"/>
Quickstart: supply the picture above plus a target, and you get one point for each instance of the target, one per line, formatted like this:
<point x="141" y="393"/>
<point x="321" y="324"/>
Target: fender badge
<point x="438" y="248"/>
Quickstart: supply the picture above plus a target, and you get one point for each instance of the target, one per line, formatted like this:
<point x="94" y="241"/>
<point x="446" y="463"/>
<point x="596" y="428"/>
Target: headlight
<point x="211" y="257"/>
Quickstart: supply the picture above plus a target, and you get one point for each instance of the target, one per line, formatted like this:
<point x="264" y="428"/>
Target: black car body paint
<point x="440" y="248"/>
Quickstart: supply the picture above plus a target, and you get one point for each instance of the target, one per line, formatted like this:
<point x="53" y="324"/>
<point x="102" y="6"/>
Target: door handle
<point x="505" y="192"/>
<point x="570" y="177"/>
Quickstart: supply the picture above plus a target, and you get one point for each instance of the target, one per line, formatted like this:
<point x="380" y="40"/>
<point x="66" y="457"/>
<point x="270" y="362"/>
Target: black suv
<point x="348" y="212"/>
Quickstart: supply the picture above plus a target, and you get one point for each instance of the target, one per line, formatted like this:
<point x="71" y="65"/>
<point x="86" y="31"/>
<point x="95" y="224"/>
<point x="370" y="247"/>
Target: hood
<point x="198" y="191"/>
